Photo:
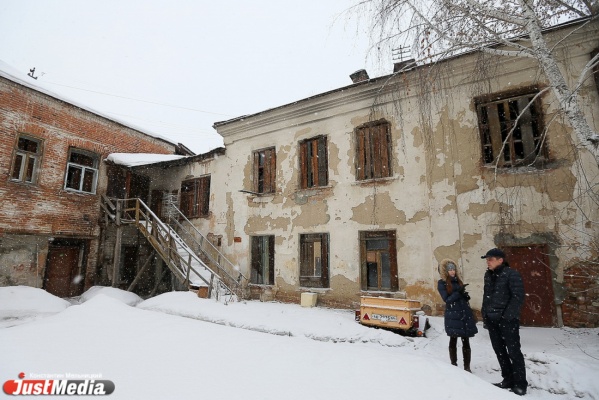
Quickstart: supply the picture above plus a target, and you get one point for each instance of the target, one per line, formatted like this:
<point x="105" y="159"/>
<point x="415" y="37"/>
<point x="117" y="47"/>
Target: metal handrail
<point x="207" y="248"/>
<point x="167" y="238"/>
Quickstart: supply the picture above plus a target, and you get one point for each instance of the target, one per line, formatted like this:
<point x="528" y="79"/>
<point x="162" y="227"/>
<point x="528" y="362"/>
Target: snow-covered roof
<point x="8" y="72"/>
<point x="135" y="159"/>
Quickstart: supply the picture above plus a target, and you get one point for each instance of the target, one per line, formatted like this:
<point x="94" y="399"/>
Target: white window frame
<point x="26" y="156"/>
<point x="84" y="169"/>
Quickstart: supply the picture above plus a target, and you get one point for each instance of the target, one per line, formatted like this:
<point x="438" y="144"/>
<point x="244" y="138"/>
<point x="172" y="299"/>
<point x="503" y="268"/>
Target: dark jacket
<point x="503" y="294"/>
<point x="459" y="320"/>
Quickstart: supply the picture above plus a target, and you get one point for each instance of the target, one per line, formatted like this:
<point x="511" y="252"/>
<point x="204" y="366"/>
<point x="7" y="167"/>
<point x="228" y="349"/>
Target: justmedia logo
<point x="57" y="387"/>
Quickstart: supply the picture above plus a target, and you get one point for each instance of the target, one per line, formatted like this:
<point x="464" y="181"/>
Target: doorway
<point x="65" y="275"/>
<point x="533" y="264"/>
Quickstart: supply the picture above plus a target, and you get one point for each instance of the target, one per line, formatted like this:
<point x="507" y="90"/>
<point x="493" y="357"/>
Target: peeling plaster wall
<point x="440" y="200"/>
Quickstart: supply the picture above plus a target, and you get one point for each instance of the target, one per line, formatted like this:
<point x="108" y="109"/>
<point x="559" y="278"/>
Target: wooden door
<point x="533" y="264"/>
<point x="61" y="271"/>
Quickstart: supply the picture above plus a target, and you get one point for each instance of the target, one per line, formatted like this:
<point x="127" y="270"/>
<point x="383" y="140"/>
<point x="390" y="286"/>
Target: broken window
<point x="378" y="259"/>
<point x="264" y="170"/>
<point x="373" y="151"/>
<point x="314" y="260"/>
<point x="82" y="171"/>
<point x="195" y="197"/>
<point x="263" y="260"/>
<point x="313" y="162"/>
<point x="27" y="159"/>
<point x="511" y="129"/>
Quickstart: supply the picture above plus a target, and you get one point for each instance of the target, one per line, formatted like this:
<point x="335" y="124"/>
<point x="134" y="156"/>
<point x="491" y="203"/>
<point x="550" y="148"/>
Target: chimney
<point x="398" y="66"/>
<point x="359" y="76"/>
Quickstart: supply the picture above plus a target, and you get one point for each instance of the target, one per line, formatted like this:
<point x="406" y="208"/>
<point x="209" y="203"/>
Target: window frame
<point x="195" y="202"/>
<point x="72" y="166"/>
<point x="26" y="156"/>
<point x="264" y="179"/>
<point x="391" y="250"/>
<point x="258" y="245"/>
<point x="308" y="256"/>
<point x="313" y="162"/>
<point x="374" y="153"/>
<point x="497" y="115"/>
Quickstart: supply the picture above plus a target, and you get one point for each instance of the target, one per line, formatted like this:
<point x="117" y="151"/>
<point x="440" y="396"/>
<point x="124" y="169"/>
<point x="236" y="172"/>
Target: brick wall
<point x="45" y="209"/>
<point x="580" y="308"/>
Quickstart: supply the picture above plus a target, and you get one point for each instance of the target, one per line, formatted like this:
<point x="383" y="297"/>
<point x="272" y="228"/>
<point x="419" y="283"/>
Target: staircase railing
<point x="229" y="273"/>
<point x="178" y="256"/>
<point x="186" y="252"/>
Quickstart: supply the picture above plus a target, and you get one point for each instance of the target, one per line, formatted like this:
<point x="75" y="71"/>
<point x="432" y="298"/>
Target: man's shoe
<point x="520" y="391"/>
<point x="504" y="385"/>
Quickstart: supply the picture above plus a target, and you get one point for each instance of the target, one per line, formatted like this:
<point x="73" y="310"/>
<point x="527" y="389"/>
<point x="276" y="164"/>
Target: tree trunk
<point x="567" y="100"/>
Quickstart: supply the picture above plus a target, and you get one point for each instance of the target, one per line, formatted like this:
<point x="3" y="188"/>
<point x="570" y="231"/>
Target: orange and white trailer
<point x="401" y="315"/>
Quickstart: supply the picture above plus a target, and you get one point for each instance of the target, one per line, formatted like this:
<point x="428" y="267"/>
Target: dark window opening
<point x="314" y="260"/>
<point x="264" y="171"/>
<point x="195" y="197"/>
<point x="313" y="162"/>
<point x="27" y="158"/>
<point x="263" y="260"/>
<point x="373" y="151"/>
<point x="511" y="131"/>
<point x="82" y="171"/>
<point x="378" y="259"/>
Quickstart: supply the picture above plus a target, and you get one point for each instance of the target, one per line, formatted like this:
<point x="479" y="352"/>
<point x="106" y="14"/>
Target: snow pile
<point x="282" y="350"/>
<point x="128" y="298"/>
<point x="321" y="324"/>
<point x="19" y="304"/>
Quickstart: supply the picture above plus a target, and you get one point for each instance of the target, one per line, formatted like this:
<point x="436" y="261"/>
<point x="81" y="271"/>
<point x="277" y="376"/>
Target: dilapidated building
<point x="364" y="189"/>
<point x="52" y="176"/>
<point x="357" y="191"/>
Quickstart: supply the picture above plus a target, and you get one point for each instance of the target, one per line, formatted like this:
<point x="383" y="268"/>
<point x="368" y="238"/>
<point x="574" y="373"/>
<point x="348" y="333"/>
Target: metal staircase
<point x="190" y="256"/>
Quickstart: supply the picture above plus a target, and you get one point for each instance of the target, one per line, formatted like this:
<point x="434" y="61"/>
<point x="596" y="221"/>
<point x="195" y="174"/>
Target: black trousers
<point x="505" y="339"/>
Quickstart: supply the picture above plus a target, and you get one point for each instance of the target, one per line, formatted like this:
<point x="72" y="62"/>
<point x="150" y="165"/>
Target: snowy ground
<point x="177" y="346"/>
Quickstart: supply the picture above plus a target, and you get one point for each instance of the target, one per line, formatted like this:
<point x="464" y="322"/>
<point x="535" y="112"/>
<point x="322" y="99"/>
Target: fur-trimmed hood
<point x="443" y="268"/>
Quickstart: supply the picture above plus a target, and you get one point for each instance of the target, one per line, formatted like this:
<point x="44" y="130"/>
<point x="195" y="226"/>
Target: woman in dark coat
<point x="459" y="319"/>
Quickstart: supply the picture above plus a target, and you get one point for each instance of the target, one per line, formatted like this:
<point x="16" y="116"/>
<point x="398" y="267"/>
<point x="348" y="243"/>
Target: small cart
<point x="399" y="315"/>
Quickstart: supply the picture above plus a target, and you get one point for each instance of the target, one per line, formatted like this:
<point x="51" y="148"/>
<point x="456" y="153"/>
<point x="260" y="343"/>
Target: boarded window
<point x="264" y="170"/>
<point x="511" y="129"/>
<point x="314" y="260"/>
<point x="378" y="259"/>
<point x="82" y="171"/>
<point x="263" y="260"/>
<point x="27" y="159"/>
<point x="313" y="162"/>
<point x="195" y="197"/>
<point x="373" y="151"/>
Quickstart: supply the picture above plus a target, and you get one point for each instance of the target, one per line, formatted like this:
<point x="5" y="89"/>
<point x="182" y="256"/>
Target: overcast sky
<point x="192" y="63"/>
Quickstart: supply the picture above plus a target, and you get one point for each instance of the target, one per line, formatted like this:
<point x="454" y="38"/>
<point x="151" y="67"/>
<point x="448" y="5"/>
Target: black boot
<point x="453" y="355"/>
<point x="467" y="357"/>
<point x="504" y="384"/>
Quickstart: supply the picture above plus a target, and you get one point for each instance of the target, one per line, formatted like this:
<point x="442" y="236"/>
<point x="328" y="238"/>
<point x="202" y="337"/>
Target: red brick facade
<point x="44" y="207"/>
<point x="581" y="306"/>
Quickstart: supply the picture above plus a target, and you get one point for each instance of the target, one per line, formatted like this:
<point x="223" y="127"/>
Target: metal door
<point x="533" y="264"/>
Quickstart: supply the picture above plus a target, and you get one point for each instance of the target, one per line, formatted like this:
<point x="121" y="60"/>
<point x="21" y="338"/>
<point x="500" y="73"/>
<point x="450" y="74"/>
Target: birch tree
<point x="509" y="28"/>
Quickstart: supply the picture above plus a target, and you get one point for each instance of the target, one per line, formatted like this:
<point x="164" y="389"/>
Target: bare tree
<point x="436" y="29"/>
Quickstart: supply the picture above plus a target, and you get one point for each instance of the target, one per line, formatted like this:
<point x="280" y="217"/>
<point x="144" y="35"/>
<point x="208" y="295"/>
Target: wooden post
<point x="116" y="261"/>
<point x="141" y="271"/>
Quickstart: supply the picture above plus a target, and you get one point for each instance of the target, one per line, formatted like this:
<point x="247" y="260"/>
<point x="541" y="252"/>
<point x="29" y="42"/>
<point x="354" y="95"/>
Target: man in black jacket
<point x="502" y="299"/>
